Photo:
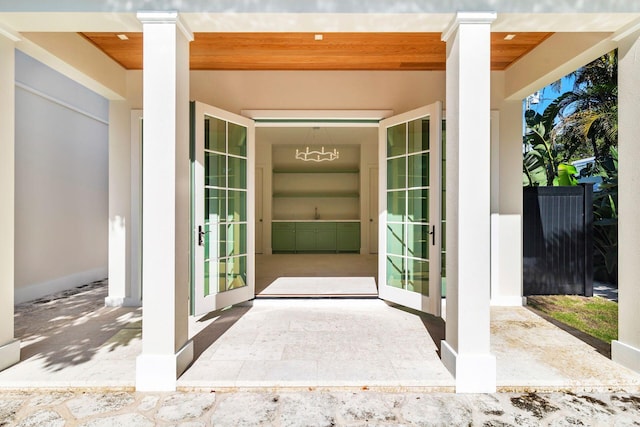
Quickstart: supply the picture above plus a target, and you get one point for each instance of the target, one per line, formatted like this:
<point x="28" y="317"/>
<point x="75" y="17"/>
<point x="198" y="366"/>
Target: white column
<point x="465" y="351"/>
<point x="626" y="350"/>
<point x="119" y="205"/>
<point x="166" y="349"/>
<point x="506" y="215"/>
<point x="9" y="347"/>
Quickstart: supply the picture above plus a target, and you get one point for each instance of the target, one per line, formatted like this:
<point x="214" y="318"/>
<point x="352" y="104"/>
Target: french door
<point x="409" y="209"/>
<point x="223" y="208"/>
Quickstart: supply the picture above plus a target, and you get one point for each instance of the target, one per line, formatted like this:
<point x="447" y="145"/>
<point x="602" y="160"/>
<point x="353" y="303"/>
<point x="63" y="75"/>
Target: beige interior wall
<point x="310" y="90"/>
<point x="235" y="91"/>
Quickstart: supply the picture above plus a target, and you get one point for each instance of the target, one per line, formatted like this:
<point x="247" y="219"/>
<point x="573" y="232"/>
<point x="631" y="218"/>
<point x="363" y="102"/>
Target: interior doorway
<point x="316" y="189"/>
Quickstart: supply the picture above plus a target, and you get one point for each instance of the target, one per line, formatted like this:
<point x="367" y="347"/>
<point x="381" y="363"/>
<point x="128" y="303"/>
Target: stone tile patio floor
<point x="79" y="363"/>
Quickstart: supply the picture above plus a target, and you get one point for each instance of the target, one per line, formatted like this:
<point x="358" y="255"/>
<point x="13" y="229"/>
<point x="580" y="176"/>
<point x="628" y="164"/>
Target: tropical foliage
<point x="544" y="161"/>
<point x="588" y="115"/>
<point x="605" y="219"/>
<point x="578" y="124"/>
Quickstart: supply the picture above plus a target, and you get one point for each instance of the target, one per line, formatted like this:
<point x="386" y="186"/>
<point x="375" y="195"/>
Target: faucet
<point x="316" y="216"/>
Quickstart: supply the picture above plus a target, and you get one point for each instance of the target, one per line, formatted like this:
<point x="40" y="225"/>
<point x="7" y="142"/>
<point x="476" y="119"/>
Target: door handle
<point x="201" y="234"/>
<point x="433" y="235"/>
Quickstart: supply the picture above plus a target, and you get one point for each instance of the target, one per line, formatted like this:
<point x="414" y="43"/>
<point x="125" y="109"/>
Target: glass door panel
<point x="223" y="260"/>
<point x="410" y="224"/>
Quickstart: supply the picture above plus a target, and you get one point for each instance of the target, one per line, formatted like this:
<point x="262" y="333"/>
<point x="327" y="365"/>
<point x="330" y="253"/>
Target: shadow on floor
<point x="600" y="346"/>
<point x="226" y="318"/>
<point x="435" y="326"/>
<point x="69" y="328"/>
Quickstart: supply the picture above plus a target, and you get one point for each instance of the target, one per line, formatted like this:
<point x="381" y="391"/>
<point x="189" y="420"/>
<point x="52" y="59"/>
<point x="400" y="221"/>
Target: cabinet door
<point x="326" y="236"/>
<point x="348" y="237"/>
<point x="305" y="237"/>
<point x="283" y="237"/>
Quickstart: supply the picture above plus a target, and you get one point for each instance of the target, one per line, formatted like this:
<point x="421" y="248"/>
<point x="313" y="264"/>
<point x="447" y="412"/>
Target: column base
<point x="9" y="354"/>
<point x="508" y="301"/>
<point x="159" y="372"/>
<point x="625" y="355"/>
<point x="474" y="373"/>
<point x="122" y="302"/>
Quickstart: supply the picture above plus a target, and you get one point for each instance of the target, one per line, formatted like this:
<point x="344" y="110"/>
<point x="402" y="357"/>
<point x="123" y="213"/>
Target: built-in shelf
<point x="330" y="191"/>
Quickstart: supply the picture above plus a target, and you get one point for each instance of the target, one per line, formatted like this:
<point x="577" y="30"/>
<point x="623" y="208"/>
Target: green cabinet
<point x="348" y="237"/>
<point x="305" y="237"/>
<point x="326" y="237"/>
<point x="315" y="237"/>
<point x="283" y="237"/>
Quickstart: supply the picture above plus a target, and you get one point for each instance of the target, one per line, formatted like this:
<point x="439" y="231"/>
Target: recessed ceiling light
<point x="123" y="37"/>
<point x="319" y="37"/>
<point x="510" y="37"/>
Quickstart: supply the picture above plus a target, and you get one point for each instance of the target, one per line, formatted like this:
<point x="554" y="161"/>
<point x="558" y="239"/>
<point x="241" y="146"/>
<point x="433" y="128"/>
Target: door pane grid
<point x="408" y="226"/>
<point x="225" y="206"/>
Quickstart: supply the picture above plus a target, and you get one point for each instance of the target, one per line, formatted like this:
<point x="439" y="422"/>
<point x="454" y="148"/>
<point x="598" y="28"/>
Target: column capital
<point x="163" y="17"/>
<point x="467" y="18"/>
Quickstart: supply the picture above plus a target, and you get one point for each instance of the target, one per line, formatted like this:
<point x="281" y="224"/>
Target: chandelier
<point x="309" y="155"/>
<point x="317" y="156"/>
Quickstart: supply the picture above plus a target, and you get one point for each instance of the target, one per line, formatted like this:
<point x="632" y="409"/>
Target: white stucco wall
<point x="61" y="182"/>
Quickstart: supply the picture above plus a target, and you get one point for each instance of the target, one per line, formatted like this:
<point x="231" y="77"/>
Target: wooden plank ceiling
<point x="301" y="51"/>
